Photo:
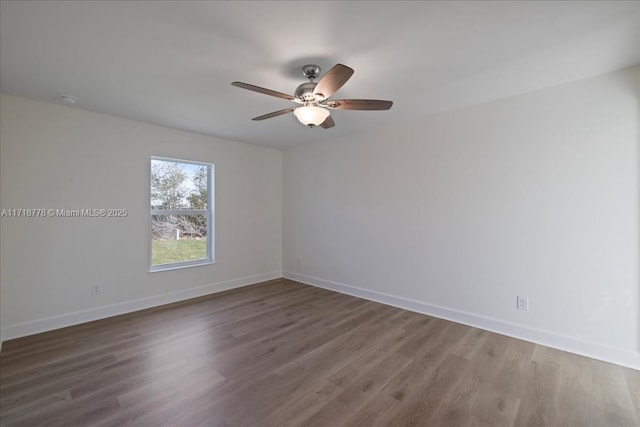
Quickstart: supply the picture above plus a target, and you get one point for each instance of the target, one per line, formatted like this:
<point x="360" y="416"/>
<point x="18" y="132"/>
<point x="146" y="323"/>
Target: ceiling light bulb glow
<point x="311" y="115"/>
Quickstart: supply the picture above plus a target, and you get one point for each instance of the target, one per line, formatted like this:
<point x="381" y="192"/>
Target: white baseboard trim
<point x="537" y="336"/>
<point x="78" y="317"/>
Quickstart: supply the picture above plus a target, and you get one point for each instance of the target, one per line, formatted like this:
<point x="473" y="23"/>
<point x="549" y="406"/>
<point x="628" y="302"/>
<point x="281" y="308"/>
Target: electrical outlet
<point x="522" y="303"/>
<point x="96" y="289"/>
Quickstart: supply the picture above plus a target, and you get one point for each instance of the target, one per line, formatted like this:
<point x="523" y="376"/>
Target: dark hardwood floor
<point x="286" y="354"/>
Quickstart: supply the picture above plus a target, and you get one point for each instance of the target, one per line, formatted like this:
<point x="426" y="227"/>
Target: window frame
<point x="208" y="213"/>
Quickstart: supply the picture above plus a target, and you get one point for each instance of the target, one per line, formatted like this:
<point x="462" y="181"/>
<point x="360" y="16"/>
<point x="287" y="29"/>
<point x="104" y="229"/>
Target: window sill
<point x="178" y="266"/>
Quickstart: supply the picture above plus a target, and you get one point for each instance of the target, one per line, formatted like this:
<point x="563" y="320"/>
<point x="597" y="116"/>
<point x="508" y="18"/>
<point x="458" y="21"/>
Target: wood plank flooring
<point x="285" y="354"/>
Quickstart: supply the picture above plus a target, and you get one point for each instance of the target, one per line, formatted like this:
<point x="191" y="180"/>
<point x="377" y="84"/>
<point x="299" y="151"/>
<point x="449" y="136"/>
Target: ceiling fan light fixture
<point x="311" y="115"/>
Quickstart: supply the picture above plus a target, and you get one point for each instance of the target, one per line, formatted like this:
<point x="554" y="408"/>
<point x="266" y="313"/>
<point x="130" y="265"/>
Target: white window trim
<point x="209" y="213"/>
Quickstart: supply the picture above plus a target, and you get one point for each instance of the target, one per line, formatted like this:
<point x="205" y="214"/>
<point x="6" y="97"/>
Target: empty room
<point x="336" y="213"/>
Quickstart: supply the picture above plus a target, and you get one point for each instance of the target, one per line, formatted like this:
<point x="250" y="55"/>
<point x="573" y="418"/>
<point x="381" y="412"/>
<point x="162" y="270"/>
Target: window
<point x="181" y="213"/>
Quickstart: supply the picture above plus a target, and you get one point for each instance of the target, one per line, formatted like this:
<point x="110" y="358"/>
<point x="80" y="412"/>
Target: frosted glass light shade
<point x="311" y="115"/>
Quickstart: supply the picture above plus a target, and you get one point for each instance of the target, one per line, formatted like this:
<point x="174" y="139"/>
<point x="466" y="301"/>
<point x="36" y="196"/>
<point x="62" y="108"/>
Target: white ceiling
<point x="171" y="63"/>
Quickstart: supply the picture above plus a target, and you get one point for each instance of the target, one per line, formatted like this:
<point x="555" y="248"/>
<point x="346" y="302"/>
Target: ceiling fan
<point x="313" y="97"/>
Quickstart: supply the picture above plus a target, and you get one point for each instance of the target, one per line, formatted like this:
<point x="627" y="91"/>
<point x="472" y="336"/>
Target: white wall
<point x="457" y="214"/>
<point x="53" y="156"/>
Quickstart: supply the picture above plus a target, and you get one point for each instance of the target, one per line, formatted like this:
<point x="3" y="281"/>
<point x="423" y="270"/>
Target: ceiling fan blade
<point x="333" y="80"/>
<point x="274" y="114"/>
<point x="328" y="123"/>
<point x="263" y="90"/>
<point x="359" y="104"/>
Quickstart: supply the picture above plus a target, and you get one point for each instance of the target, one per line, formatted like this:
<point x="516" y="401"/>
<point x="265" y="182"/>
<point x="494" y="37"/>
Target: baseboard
<point x="78" y="317"/>
<point x="537" y="336"/>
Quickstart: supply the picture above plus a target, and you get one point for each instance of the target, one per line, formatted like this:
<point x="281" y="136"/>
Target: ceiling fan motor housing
<point x="304" y="92"/>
